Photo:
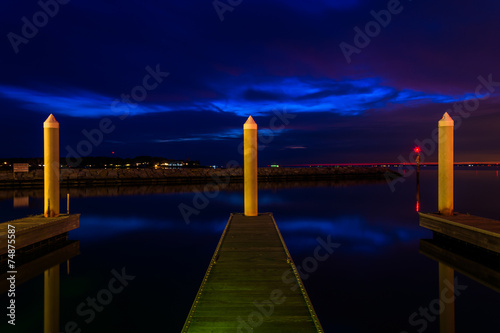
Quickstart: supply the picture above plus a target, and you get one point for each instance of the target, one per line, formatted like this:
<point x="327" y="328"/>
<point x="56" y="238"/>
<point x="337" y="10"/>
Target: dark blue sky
<point x="170" y="78"/>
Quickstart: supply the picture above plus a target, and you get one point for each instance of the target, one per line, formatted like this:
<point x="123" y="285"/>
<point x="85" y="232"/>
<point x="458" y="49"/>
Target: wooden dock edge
<point x="482" y="238"/>
<point x="205" y="278"/>
<point x="310" y="307"/>
<point x="33" y="229"/>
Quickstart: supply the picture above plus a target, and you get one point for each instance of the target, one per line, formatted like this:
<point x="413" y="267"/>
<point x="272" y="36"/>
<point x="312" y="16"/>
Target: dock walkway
<point x="252" y="283"/>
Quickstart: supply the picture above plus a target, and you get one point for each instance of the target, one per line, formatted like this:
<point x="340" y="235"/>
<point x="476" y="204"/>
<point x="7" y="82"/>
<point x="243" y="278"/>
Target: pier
<point x="252" y="282"/>
<point x="478" y="231"/>
<point x="33" y="230"/>
<point x="475" y="230"/>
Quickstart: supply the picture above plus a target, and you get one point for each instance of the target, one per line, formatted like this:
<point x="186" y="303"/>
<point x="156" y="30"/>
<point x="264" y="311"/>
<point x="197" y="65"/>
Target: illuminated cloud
<point x="232" y="133"/>
<point x="222" y="72"/>
<point x="74" y="103"/>
<point x="295" y="147"/>
<point x="348" y="97"/>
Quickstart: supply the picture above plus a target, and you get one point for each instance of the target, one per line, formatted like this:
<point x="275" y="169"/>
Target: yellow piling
<point x="51" y="169"/>
<point x="445" y="165"/>
<point x="250" y="167"/>
<point x="51" y="300"/>
<point x="67" y="203"/>
<point x="447" y="298"/>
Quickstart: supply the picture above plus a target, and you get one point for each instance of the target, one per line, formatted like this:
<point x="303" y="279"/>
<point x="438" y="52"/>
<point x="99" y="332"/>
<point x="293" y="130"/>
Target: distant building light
<point x="275" y="166"/>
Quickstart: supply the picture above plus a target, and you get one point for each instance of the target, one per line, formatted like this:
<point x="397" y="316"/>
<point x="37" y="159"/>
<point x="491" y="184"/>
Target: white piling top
<point x="51" y="122"/>
<point x="250" y="124"/>
<point x="446" y="120"/>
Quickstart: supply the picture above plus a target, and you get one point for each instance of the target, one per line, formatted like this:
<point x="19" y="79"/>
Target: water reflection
<point x="20" y="202"/>
<point x="45" y="260"/>
<point x="418" y="189"/>
<point x="446" y="299"/>
<point x="51" y="299"/>
<point x="475" y="263"/>
<point x="378" y="269"/>
<point x="112" y="191"/>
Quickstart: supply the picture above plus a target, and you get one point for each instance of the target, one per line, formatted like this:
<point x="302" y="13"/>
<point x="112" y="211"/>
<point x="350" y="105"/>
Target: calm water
<point x="373" y="282"/>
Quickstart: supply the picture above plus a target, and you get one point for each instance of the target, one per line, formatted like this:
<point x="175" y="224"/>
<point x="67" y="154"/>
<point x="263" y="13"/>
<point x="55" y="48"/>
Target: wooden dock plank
<point x="33" y="229"/>
<point x="252" y="283"/>
<point x="475" y="230"/>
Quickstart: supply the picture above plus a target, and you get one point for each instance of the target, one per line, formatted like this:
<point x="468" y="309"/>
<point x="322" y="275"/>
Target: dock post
<point x="250" y="167"/>
<point x="445" y="165"/>
<point x="51" y="167"/>
<point x="447" y="298"/>
<point x="51" y="300"/>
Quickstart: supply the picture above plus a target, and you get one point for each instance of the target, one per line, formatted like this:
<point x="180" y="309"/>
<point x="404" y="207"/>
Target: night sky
<point x="326" y="81"/>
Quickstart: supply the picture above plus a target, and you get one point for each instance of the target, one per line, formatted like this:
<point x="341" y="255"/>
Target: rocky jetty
<point x="90" y="177"/>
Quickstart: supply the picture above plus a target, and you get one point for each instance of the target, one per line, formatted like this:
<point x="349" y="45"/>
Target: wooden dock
<point x="474" y="230"/>
<point x="35" y="229"/>
<point x="252" y="284"/>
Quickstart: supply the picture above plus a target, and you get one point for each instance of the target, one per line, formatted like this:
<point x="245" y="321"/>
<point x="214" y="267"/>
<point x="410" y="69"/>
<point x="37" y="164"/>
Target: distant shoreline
<point x="109" y="177"/>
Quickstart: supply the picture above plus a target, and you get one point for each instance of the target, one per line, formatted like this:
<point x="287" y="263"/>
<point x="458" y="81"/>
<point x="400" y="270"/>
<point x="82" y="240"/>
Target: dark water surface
<point x="373" y="282"/>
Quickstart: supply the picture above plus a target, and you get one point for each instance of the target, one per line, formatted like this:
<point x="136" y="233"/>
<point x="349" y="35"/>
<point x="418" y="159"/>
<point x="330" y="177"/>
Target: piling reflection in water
<point x="446" y="298"/>
<point x="51" y="300"/>
<point x="418" y="190"/>
<point x="46" y="260"/>
<point x="475" y="263"/>
<point x="417" y="161"/>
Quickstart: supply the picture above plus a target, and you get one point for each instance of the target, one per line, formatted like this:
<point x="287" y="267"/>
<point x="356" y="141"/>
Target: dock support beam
<point x="250" y="167"/>
<point x="445" y="165"/>
<point x="51" y="300"/>
<point x="51" y="167"/>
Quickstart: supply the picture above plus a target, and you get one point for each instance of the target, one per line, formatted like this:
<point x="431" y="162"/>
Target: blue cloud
<point x="319" y="7"/>
<point x="74" y="102"/>
<point x="258" y="97"/>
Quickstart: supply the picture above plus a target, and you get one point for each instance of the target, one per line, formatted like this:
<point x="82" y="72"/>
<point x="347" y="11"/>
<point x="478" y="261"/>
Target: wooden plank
<point x="244" y="283"/>
<point x="34" y="229"/>
<point x="488" y="274"/>
<point x="475" y="230"/>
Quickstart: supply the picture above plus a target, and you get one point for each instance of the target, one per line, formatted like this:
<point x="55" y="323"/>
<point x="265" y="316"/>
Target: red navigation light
<point x="417" y="149"/>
